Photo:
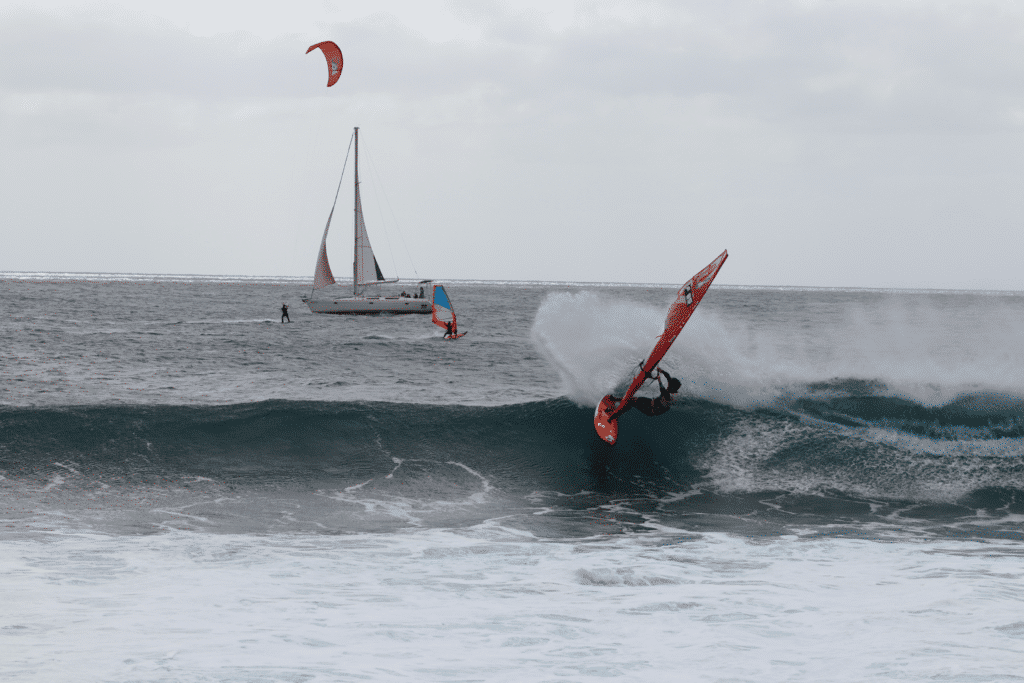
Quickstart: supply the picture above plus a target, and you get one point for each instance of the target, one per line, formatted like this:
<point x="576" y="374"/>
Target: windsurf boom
<point x="679" y="312"/>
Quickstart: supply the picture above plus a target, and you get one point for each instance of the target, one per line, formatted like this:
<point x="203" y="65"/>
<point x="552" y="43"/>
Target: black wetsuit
<point x="652" y="407"/>
<point x="284" y="313"/>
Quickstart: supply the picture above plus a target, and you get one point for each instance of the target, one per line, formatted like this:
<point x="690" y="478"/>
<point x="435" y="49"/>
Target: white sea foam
<point x="875" y="463"/>
<point x="492" y="604"/>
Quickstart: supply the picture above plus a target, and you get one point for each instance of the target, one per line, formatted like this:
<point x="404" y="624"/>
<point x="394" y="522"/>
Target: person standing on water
<point x="284" y="313"/>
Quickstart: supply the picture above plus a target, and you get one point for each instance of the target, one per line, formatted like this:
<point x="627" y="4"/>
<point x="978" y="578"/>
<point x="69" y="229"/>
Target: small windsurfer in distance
<point x="652" y="407"/>
<point x="452" y="330"/>
<point x="284" y="313"/>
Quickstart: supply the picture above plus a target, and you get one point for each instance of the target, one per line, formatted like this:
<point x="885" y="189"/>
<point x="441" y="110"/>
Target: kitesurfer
<point x="284" y="313"/>
<point x="652" y="407"/>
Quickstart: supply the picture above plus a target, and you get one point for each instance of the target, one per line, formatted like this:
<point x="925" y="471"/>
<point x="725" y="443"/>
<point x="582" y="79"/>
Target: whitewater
<point x="191" y="490"/>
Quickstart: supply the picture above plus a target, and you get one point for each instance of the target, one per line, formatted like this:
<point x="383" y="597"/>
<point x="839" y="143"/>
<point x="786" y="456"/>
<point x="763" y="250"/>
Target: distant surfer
<point x="652" y="407"/>
<point x="284" y="313"/>
<point x="452" y="330"/>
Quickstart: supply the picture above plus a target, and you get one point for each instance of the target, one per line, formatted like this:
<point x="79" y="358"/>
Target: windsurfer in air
<point x="652" y="407"/>
<point x="284" y="313"/>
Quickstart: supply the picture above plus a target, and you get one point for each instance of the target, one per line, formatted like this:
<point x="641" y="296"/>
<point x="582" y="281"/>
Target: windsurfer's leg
<point x="645" y="406"/>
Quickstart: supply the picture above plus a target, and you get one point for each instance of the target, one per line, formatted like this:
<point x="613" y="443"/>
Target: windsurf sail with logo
<point x="443" y="313"/>
<point x="679" y="312"/>
<point x="335" y="61"/>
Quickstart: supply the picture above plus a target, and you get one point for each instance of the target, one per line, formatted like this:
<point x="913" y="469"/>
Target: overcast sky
<point x="850" y="143"/>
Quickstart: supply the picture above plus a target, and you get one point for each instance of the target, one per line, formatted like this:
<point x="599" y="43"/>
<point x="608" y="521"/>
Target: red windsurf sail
<point x="442" y="311"/>
<point x="679" y="312"/>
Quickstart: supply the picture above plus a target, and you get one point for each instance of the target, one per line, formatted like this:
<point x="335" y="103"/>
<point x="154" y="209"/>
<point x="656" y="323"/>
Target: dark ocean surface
<point x="191" y="490"/>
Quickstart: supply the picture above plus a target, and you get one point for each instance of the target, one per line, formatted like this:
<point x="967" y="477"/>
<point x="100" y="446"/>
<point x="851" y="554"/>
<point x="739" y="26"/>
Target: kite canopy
<point x="334" y="60"/>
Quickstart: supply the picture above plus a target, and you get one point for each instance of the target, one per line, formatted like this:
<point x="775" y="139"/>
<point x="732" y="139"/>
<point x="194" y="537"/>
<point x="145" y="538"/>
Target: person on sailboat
<point x="284" y="313"/>
<point x="652" y="407"/>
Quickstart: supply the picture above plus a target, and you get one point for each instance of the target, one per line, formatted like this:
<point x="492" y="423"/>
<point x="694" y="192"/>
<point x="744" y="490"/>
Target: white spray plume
<point x="915" y="348"/>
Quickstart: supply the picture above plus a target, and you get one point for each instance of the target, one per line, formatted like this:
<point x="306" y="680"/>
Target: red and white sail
<point x="679" y="312"/>
<point x="323" y="275"/>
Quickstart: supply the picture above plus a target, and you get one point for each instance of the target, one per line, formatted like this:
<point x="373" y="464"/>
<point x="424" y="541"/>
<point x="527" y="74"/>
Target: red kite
<point x="334" y="60"/>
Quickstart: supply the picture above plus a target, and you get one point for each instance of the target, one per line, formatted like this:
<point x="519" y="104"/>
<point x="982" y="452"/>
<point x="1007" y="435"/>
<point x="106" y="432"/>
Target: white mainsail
<point x="364" y="266"/>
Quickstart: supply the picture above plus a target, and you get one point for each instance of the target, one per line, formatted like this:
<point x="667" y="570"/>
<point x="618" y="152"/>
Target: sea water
<point x="191" y="490"/>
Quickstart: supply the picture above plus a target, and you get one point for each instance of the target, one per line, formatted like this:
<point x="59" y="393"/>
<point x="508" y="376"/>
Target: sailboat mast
<point x="355" y="222"/>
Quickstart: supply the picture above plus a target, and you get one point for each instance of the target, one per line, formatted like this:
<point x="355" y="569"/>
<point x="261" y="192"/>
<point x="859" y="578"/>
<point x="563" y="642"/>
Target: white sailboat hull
<point x="368" y="305"/>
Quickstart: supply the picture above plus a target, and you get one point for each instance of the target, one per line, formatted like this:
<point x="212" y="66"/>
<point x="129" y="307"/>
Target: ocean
<point x="191" y="490"/>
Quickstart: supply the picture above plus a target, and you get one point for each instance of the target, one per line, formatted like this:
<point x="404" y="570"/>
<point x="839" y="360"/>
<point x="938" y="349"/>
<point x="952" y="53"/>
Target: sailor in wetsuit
<point x="453" y="331"/>
<point x="652" y="407"/>
<point x="661" y="404"/>
<point x="284" y="313"/>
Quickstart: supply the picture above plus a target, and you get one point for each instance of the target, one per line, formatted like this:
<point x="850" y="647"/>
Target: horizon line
<point x="72" y="276"/>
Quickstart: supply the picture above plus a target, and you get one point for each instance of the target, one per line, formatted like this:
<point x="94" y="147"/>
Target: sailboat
<point x="366" y="274"/>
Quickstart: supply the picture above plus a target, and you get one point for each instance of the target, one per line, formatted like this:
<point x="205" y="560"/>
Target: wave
<point x="763" y="350"/>
<point x="867" y="446"/>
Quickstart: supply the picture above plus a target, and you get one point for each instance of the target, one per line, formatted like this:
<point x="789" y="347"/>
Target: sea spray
<point x="770" y="351"/>
<point x="594" y="340"/>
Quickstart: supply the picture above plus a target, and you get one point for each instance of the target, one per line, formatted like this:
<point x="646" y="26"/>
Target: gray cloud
<point x="852" y="64"/>
<point x="843" y="143"/>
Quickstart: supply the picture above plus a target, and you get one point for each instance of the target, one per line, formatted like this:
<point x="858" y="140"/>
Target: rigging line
<point x="379" y="185"/>
<point x="327" y="227"/>
<point x="343" y="166"/>
<point x="307" y="167"/>
<point x="397" y="227"/>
